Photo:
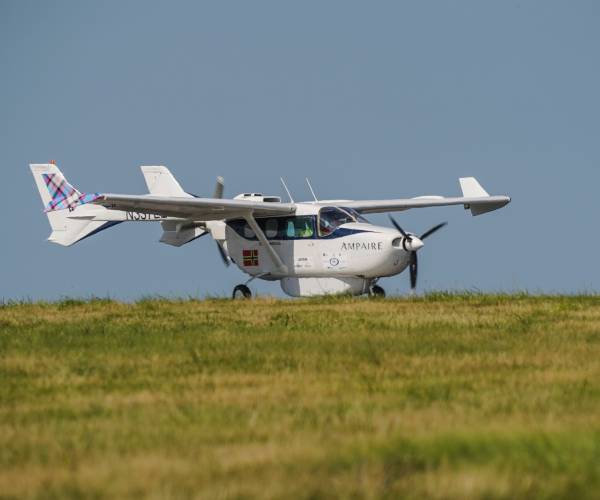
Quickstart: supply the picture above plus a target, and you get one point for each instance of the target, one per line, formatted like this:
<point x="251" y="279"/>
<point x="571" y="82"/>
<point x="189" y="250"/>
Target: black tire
<point x="241" y="292"/>
<point x="377" y="291"/>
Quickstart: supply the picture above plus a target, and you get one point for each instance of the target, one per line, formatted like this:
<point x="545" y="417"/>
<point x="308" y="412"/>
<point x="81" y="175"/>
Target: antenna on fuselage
<point x="286" y="190"/>
<point x="311" y="190"/>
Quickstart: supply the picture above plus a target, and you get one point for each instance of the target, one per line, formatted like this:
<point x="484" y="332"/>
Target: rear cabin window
<point x="271" y="228"/>
<point x="278" y="228"/>
<point x="301" y="227"/>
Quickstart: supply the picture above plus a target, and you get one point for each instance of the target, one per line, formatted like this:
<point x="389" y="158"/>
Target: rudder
<point x="60" y="199"/>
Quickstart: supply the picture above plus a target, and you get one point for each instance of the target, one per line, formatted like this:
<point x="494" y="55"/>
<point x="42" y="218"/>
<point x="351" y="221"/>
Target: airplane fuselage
<point x="354" y="249"/>
<point x="317" y="259"/>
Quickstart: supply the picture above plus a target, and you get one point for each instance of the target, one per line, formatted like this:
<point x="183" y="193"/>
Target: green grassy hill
<point x="467" y="396"/>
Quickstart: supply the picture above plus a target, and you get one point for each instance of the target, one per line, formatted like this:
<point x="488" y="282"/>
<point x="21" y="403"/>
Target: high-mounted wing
<point x="474" y="197"/>
<point x="203" y="209"/>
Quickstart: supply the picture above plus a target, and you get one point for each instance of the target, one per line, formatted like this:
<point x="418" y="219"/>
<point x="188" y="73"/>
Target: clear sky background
<point x="368" y="99"/>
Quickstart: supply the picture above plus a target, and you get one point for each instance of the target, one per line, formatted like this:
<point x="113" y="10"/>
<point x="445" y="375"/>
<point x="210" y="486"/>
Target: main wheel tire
<point x="241" y="292"/>
<point x="377" y="291"/>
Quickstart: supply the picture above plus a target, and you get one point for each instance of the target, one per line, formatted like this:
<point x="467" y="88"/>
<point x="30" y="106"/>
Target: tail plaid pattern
<point x="64" y="195"/>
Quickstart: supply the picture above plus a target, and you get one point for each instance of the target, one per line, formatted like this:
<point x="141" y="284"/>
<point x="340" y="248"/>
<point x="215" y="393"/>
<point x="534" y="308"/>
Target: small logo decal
<point x="250" y="258"/>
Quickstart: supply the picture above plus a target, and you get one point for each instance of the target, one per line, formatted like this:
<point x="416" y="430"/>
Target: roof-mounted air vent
<point x="258" y="197"/>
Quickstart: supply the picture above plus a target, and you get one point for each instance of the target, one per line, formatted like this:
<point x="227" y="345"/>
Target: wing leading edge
<point x="192" y="208"/>
<point x="474" y="198"/>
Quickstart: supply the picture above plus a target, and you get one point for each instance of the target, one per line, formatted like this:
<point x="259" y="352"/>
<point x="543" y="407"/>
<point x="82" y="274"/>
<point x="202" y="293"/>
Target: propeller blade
<point x="397" y="226"/>
<point x="427" y="234"/>
<point x="414" y="269"/>
<point x="224" y="255"/>
<point x="219" y="188"/>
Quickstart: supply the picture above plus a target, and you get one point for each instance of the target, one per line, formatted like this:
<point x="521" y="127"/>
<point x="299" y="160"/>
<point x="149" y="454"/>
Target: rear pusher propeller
<point x="411" y="244"/>
<point x="218" y="194"/>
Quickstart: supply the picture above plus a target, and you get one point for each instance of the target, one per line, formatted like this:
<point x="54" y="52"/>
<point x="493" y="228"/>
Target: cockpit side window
<point x="330" y="218"/>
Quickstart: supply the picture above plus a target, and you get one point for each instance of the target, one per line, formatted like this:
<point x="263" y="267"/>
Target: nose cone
<point x="411" y="244"/>
<point x="414" y="244"/>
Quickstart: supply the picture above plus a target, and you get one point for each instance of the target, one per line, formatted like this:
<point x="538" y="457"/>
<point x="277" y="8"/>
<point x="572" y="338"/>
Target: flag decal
<point x="250" y="257"/>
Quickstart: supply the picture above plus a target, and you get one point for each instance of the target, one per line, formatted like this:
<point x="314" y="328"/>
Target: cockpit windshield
<point x="356" y="215"/>
<point x="330" y="218"/>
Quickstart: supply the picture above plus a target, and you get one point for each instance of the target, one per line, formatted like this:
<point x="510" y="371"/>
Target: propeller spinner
<point x="411" y="244"/>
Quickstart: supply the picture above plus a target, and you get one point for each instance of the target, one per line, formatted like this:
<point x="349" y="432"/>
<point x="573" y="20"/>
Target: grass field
<point x="446" y="396"/>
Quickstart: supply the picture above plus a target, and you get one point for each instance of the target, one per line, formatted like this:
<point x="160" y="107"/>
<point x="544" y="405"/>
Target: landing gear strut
<point x="241" y="292"/>
<point x="377" y="291"/>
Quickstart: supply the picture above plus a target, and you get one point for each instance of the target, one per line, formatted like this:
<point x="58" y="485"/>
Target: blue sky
<point x="368" y="99"/>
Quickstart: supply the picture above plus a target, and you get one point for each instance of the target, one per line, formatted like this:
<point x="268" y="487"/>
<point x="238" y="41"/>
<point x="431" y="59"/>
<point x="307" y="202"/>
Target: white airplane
<point x="311" y="248"/>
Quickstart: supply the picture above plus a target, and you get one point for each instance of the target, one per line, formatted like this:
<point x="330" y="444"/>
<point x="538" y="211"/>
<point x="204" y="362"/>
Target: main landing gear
<point x="241" y="292"/>
<point x="377" y="291"/>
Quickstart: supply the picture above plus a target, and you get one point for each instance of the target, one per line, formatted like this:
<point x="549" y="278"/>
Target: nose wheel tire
<point x="241" y="292"/>
<point x="377" y="291"/>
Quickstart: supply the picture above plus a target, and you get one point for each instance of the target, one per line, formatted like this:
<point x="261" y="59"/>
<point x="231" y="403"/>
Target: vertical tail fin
<point x="59" y="189"/>
<point x="160" y="181"/>
<point x="60" y="199"/>
<point x="471" y="188"/>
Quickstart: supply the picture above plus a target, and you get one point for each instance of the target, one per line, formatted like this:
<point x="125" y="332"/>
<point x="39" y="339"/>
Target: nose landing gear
<point x="377" y="291"/>
<point x="241" y="292"/>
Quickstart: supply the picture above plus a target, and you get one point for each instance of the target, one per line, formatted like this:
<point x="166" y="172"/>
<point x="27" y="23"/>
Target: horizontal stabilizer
<point x="471" y="188"/>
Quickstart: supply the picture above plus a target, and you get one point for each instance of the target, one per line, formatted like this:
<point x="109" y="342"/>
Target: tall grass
<point x="444" y="396"/>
